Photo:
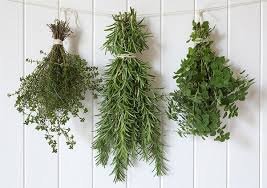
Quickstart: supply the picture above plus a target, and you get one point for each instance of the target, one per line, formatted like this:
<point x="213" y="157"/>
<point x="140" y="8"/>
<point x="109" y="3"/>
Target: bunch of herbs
<point x="54" y="91"/>
<point x="208" y="89"/>
<point x="129" y="125"/>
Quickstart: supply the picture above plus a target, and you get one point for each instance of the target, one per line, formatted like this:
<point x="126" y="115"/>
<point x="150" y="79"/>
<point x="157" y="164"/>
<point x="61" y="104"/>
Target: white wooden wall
<point x="26" y="160"/>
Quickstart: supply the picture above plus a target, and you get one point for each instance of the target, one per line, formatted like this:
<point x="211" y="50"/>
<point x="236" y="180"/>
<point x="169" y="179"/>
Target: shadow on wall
<point x="74" y="40"/>
<point x="151" y="56"/>
<point x="83" y="129"/>
<point x="217" y="38"/>
<point x="246" y="112"/>
<point x="246" y="117"/>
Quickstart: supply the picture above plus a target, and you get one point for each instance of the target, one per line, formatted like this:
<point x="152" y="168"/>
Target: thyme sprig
<point x="55" y="89"/>
<point x="129" y="125"/>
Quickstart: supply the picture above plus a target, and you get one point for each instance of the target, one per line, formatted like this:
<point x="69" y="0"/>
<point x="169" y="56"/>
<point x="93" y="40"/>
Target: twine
<point x="58" y="41"/>
<point x="200" y="40"/>
<point x="180" y="12"/>
<point x="126" y="55"/>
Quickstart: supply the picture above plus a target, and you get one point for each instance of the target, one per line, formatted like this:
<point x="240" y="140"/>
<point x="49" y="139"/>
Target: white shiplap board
<point x="26" y="160"/>
<point x="263" y="97"/>
<point x="244" y="43"/>
<point x="141" y="174"/>
<point x="101" y="176"/>
<point x="11" y="68"/>
<point x="79" y="43"/>
<point x="41" y="166"/>
<point x="176" y="30"/>
<point x="211" y="156"/>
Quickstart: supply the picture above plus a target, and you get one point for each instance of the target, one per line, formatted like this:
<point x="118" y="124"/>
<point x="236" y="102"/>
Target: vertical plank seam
<point x="58" y="9"/>
<point x="127" y="184"/>
<point x="161" y="60"/>
<point x="58" y="140"/>
<point x="92" y="107"/>
<point x="194" y="138"/>
<point x="23" y="74"/>
<point x="127" y="5"/>
<point x="227" y="142"/>
<point x="260" y="95"/>
<point x="93" y="100"/>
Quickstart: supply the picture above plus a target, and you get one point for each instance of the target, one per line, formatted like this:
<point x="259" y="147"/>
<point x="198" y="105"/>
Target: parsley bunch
<point x="129" y="125"/>
<point x="55" y="89"/>
<point x="208" y="89"/>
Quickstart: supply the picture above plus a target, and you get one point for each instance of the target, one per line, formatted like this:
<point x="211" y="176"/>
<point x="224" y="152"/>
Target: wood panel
<point x="244" y="53"/>
<point x="211" y="156"/>
<point x="142" y="174"/>
<point x="263" y="97"/>
<point x="176" y="30"/>
<point x="41" y="165"/>
<point x="76" y="165"/>
<point x="101" y="176"/>
<point x="11" y="69"/>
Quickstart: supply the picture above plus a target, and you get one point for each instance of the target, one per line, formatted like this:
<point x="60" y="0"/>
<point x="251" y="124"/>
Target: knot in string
<point x="126" y="55"/>
<point x="200" y="40"/>
<point x="58" y="41"/>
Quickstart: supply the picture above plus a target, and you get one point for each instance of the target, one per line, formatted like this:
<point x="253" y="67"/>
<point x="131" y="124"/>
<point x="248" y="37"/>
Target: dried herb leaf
<point x="129" y="123"/>
<point x="55" y="89"/>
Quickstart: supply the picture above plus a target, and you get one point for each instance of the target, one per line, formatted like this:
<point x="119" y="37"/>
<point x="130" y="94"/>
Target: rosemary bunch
<point x="129" y="123"/>
<point x="55" y="89"/>
<point x="208" y="89"/>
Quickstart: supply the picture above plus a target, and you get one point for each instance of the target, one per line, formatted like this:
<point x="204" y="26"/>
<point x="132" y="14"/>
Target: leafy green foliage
<point x="55" y="90"/>
<point x="208" y="89"/>
<point x="129" y="125"/>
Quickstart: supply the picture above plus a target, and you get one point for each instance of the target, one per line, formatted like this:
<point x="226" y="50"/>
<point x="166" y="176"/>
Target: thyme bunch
<point x="208" y="89"/>
<point x="129" y="125"/>
<point x="54" y="91"/>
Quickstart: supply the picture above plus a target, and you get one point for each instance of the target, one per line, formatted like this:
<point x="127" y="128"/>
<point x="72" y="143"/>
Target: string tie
<point x="58" y="41"/>
<point x="200" y="40"/>
<point x="126" y="55"/>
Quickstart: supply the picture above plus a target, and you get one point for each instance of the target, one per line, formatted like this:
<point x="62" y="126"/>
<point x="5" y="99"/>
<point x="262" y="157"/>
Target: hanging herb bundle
<point x="208" y="89"/>
<point x="129" y="125"/>
<point x="55" y="89"/>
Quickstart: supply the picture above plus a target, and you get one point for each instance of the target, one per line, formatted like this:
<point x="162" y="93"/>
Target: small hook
<point x="199" y="15"/>
<point x="68" y="11"/>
